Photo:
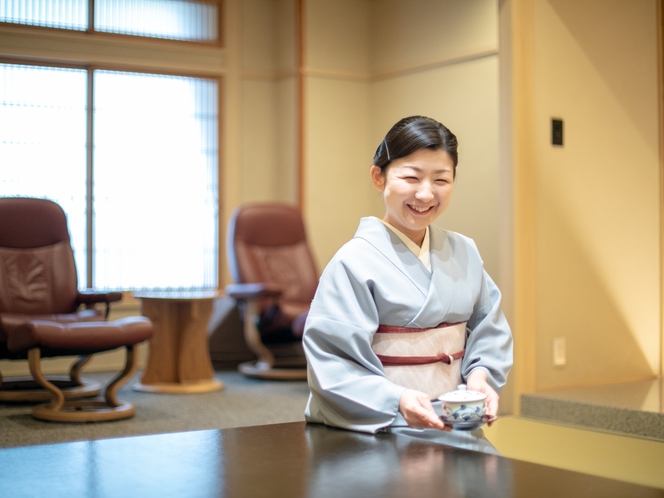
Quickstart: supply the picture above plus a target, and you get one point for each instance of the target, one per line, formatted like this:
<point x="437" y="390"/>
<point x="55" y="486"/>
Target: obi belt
<point x="427" y="360"/>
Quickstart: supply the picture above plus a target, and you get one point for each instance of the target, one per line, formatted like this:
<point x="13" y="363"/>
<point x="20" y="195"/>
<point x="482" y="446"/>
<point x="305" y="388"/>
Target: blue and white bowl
<point x="463" y="405"/>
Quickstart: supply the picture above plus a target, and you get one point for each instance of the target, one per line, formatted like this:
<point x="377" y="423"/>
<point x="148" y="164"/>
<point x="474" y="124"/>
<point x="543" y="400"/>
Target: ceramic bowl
<point x="463" y="405"/>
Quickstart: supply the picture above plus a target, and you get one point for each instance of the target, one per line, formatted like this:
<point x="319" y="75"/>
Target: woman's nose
<point x="424" y="192"/>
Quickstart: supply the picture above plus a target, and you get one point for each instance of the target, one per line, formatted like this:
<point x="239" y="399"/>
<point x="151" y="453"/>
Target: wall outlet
<point x="559" y="352"/>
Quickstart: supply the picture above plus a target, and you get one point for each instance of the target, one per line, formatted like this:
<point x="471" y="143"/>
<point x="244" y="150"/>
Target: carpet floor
<point x="242" y="402"/>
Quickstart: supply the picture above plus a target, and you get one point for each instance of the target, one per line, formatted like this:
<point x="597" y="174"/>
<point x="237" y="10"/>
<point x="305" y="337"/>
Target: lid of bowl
<point x="462" y="394"/>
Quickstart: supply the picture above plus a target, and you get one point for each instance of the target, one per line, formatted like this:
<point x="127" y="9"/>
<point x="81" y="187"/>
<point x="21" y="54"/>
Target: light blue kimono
<point x="374" y="279"/>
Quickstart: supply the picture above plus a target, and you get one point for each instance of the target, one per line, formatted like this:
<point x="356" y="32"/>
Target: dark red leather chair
<point x="43" y="314"/>
<point x="275" y="280"/>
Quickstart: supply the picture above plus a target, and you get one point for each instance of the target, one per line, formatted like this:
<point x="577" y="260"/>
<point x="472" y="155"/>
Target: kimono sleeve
<point x="347" y="382"/>
<point x="489" y="341"/>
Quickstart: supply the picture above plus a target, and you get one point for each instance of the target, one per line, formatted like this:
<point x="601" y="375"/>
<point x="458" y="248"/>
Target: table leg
<point x="179" y="357"/>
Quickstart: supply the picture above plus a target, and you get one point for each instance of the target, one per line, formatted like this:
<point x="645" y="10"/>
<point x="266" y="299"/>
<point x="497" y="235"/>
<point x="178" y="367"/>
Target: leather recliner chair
<point x="275" y="280"/>
<point x="43" y="314"/>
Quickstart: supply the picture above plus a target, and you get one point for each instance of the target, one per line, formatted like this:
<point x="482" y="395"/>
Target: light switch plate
<point x="556" y="132"/>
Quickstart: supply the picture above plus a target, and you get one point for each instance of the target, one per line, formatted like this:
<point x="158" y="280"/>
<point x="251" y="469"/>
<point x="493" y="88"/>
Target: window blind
<point x="171" y="19"/>
<point x="155" y="181"/>
<point x="64" y="14"/>
<point x="186" y="20"/>
<point x="42" y="142"/>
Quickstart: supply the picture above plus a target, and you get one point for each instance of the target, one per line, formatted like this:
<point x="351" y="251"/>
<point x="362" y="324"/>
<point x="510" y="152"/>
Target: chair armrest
<point x="89" y="298"/>
<point x="252" y="292"/>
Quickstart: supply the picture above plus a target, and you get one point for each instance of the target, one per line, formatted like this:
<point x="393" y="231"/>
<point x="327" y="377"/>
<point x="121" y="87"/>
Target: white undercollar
<point x="421" y="252"/>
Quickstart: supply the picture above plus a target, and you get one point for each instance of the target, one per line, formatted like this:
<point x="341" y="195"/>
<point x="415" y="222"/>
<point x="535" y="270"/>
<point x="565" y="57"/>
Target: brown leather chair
<point x="41" y="316"/>
<point x="275" y="281"/>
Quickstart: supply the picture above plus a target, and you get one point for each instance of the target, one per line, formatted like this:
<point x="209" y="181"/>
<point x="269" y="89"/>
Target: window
<point x="189" y="20"/>
<point x="172" y="19"/>
<point x="64" y="14"/>
<point x="141" y="196"/>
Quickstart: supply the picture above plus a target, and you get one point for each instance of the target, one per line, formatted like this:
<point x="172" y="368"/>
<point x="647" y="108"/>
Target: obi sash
<point x="427" y="360"/>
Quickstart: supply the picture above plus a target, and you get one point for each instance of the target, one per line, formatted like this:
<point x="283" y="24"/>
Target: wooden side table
<point x="179" y="356"/>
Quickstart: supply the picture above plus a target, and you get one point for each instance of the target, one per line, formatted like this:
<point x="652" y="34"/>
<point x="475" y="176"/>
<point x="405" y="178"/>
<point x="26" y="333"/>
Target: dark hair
<point x="414" y="133"/>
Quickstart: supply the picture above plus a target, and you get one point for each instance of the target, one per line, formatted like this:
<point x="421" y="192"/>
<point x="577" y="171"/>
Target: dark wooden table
<point x="285" y="460"/>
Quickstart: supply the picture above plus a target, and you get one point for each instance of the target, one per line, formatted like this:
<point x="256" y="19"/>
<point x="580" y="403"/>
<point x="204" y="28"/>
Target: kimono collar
<point x="394" y="250"/>
<point x="422" y="253"/>
<point x="433" y="285"/>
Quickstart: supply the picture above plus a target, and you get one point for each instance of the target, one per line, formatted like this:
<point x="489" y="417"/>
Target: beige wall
<point x="418" y="34"/>
<point x="593" y="262"/>
<point x="268" y="101"/>
<point x="463" y="96"/>
<point x="370" y="63"/>
<point x="336" y="122"/>
<point x="336" y="178"/>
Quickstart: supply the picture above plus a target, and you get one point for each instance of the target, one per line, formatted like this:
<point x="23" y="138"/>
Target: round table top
<point x="178" y="295"/>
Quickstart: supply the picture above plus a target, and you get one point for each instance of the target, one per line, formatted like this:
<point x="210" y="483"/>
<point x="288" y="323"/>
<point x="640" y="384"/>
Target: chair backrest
<point x="37" y="268"/>
<point x="267" y="243"/>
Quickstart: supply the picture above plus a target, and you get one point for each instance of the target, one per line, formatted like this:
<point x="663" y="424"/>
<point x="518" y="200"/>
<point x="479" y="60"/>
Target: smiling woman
<point x="405" y="312"/>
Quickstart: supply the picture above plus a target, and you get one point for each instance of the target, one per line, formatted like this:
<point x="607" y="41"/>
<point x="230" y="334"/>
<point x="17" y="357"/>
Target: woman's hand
<point x="477" y="382"/>
<point x="418" y="411"/>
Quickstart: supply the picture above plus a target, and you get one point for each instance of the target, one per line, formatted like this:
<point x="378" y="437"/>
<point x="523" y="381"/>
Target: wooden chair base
<point x="96" y="410"/>
<point x="262" y="370"/>
<point x="92" y="410"/>
<point x="28" y="389"/>
<point x="25" y="389"/>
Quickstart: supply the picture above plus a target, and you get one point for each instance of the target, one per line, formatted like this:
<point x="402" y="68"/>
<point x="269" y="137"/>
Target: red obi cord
<point x="398" y="361"/>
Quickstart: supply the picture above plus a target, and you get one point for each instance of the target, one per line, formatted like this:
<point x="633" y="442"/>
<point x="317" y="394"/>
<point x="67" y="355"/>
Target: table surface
<point x="289" y="460"/>
<point x="178" y="295"/>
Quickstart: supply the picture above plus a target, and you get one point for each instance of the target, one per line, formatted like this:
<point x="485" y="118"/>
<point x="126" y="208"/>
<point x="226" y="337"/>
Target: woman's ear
<point x="377" y="177"/>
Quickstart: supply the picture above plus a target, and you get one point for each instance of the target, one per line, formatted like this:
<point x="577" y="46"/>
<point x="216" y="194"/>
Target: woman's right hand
<point x="418" y="411"/>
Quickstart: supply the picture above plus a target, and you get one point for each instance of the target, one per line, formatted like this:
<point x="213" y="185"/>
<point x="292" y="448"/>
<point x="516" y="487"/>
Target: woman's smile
<point x="420" y="209"/>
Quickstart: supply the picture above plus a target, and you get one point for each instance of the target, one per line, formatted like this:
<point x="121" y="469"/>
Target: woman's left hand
<point x="477" y="382"/>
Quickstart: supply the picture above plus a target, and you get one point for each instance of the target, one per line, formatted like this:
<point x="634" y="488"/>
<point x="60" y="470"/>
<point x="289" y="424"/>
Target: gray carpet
<point x="243" y="402"/>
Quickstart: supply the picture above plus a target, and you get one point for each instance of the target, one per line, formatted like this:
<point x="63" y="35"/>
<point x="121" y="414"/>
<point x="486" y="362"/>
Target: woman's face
<point x="416" y="189"/>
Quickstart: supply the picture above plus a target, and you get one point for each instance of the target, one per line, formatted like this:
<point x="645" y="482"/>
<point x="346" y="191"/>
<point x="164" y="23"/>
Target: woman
<point x="405" y="311"/>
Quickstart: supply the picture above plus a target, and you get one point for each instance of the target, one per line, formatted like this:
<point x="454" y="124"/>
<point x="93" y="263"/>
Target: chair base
<point x="82" y="410"/>
<point x="25" y="389"/>
<point x="261" y="370"/>
<point x="94" y="410"/>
